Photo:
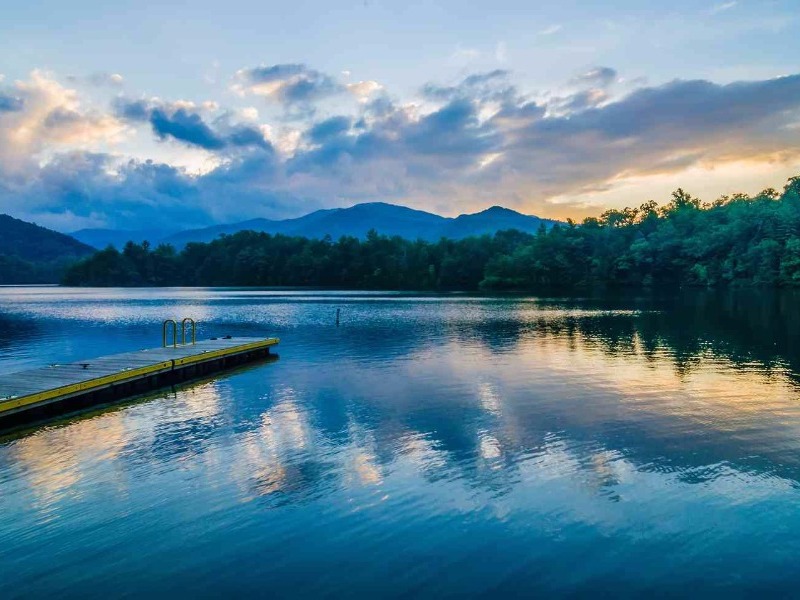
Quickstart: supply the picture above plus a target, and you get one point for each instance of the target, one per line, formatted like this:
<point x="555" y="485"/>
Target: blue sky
<point x="134" y="114"/>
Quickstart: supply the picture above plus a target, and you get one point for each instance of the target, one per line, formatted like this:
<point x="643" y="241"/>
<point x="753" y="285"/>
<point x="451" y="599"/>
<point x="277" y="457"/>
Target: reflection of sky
<point x="516" y="430"/>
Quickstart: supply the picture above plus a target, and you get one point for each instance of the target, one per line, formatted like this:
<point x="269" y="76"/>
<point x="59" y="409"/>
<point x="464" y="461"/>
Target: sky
<point x="173" y="115"/>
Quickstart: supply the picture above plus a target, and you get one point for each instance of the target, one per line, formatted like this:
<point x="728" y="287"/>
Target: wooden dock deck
<point x="111" y="377"/>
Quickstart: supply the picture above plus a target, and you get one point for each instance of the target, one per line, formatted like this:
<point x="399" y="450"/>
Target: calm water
<point x="428" y="446"/>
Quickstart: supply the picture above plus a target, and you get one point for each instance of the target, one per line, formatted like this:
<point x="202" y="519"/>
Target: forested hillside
<point x="736" y="240"/>
<point x="33" y="254"/>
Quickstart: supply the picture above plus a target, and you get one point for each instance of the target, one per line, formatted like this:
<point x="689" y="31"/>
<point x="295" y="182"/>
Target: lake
<point x="430" y="445"/>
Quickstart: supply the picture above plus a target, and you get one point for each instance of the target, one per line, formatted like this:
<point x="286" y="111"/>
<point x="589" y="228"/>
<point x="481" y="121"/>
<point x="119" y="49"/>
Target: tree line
<point x="17" y="271"/>
<point x="735" y="240"/>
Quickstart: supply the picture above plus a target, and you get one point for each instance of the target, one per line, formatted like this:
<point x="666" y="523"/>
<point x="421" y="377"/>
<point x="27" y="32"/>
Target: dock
<point x="60" y="387"/>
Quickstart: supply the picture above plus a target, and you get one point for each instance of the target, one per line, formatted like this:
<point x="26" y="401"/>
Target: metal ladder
<point x="166" y="326"/>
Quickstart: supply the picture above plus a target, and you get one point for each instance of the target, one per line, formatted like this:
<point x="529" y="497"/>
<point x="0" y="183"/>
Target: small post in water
<point x="338" y="310"/>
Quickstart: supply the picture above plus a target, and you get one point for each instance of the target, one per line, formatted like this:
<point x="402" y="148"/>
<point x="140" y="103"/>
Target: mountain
<point x="208" y="234"/>
<point x="29" y="241"/>
<point x="33" y="254"/>
<point x="102" y="238"/>
<point x="490" y="221"/>
<point x="386" y="219"/>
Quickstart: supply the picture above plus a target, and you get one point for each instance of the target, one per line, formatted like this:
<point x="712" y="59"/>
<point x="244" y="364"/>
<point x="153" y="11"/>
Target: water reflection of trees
<point x="739" y="326"/>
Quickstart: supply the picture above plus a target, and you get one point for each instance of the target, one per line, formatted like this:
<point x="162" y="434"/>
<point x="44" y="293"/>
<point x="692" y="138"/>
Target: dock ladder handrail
<point x="174" y="333"/>
<point x="183" y="330"/>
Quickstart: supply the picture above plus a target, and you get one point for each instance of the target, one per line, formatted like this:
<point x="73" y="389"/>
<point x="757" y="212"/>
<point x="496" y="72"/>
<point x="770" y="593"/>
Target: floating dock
<point x="30" y="394"/>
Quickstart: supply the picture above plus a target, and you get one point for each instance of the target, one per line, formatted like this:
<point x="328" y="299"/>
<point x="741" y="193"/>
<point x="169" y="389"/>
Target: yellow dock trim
<point x="85" y="386"/>
<point x="124" y="369"/>
<point x="212" y="354"/>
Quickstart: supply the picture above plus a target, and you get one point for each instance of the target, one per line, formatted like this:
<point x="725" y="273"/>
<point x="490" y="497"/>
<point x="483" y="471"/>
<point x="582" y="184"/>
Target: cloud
<point x="363" y="90"/>
<point x="599" y="77"/>
<point x="99" y="79"/>
<point x="9" y="103"/>
<point x="333" y="127"/>
<point x="487" y="86"/>
<point x="289" y="85"/>
<point x="186" y="127"/>
<point x="479" y="140"/>
<point x="83" y="189"/>
<point x="533" y="151"/>
<point x="297" y="88"/>
<point x="40" y="115"/>
<point x="581" y="100"/>
<point x="721" y="7"/>
<point x="112" y="79"/>
<point x="550" y="30"/>
<point x="180" y="122"/>
<point x="658" y="130"/>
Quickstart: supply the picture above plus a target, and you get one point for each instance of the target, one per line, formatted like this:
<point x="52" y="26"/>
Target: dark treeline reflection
<point x="741" y="326"/>
<point x="733" y="241"/>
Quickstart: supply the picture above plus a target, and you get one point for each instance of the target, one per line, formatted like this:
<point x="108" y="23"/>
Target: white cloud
<point x="249" y="113"/>
<point x="722" y="7"/>
<point x="550" y="30"/>
<point x="50" y="116"/>
<point x="362" y="90"/>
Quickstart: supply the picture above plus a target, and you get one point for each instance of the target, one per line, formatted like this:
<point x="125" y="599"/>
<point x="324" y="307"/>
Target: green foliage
<point x="735" y="241"/>
<point x="14" y="270"/>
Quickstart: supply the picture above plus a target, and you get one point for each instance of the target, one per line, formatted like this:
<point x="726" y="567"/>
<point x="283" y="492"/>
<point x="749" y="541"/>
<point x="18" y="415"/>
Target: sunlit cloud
<point x="362" y="90"/>
<point x="289" y="85"/>
<point x="40" y="115"/>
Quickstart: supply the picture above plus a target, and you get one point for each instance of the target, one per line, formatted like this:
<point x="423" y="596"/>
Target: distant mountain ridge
<point x="102" y="238"/>
<point x="356" y="221"/>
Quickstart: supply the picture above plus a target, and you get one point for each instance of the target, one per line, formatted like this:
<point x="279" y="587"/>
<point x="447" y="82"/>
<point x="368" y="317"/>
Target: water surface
<point x="427" y="446"/>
